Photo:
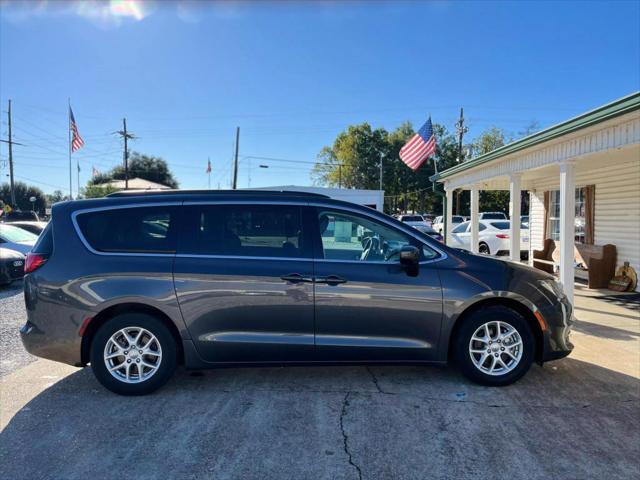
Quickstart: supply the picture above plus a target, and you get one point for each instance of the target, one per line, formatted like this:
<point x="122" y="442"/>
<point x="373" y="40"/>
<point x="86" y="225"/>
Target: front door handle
<point x="331" y="280"/>
<point x="296" y="278"/>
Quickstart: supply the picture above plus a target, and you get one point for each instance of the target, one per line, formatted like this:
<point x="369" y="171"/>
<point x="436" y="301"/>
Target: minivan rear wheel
<point x="494" y="346"/>
<point x="133" y="354"/>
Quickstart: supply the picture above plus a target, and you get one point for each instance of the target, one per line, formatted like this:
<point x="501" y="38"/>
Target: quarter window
<point x="243" y="230"/>
<point x="130" y="230"/>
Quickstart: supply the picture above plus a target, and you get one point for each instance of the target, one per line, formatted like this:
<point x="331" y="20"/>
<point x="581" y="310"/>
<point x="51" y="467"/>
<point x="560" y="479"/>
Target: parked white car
<point x="16" y="239"/>
<point x="493" y="216"/>
<point x="438" y="223"/>
<point x="414" y="220"/>
<point x="493" y="237"/>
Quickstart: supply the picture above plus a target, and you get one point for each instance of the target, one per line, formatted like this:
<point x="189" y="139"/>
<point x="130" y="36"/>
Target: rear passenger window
<point x="130" y="230"/>
<point x="244" y="230"/>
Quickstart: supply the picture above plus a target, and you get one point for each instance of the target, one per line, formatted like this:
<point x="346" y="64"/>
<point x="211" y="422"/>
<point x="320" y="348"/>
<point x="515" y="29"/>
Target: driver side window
<point x="347" y="236"/>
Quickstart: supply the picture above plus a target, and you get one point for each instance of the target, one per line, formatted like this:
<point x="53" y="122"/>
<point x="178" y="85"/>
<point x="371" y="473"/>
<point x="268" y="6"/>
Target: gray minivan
<point x="136" y="283"/>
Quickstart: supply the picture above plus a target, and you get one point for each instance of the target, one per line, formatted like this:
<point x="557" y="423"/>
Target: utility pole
<point x="125" y="136"/>
<point x="461" y="129"/>
<point x="235" y="160"/>
<point x="11" y="143"/>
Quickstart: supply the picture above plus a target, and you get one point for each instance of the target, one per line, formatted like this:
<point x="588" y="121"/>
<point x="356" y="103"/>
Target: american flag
<point x="208" y="166"/>
<point x="76" y="139"/>
<point x="420" y="147"/>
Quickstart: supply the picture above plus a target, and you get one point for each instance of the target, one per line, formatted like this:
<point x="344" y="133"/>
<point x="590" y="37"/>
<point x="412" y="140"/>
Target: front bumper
<point x="557" y="343"/>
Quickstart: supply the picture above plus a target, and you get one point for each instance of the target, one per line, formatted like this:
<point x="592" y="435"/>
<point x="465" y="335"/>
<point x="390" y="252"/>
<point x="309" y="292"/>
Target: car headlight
<point x="552" y="286"/>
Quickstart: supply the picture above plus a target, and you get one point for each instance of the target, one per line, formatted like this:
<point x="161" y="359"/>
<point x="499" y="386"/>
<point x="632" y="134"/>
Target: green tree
<point x="55" y="197"/>
<point x="23" y="193"/>
<point x="98" y="191"/>
<point x="148" y="167"/>
<point x="353" y="161"/>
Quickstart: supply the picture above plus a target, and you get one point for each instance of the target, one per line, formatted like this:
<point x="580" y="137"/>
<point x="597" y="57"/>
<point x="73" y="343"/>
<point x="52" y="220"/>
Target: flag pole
<point x="209" y="172"/>
<point x="69" y="137"/>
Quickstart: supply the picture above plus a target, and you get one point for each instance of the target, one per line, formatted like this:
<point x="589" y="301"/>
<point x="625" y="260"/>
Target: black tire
<point x="480" y="317"/>
<point x="484" y="249"/>
<point x="168" y="360"/>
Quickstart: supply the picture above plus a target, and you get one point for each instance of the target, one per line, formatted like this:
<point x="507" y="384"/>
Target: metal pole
<point x="69" y="137"/>
<point x="10" y="142"/>
<point x="126" y="155"/>
<point x="209" y="172"/>
<point x="234" y="185"/>
<point x="381" y="156"/>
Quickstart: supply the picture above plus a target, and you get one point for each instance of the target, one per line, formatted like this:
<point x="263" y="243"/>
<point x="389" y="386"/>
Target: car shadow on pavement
<point x="604" y="331"/>
<point x="570" y="419"/>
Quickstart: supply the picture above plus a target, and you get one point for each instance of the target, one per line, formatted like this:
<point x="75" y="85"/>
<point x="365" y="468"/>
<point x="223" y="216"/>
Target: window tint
<point x="412" y="218"/>
<point x="461" y="228"/>
<point x="481" y="227"/>
<point x="134" y="230"/>
<point x="494" y="216"/>
<point x="244" y="230"/>
<point x="457" y="219"/>
<point x="348" y="236"/>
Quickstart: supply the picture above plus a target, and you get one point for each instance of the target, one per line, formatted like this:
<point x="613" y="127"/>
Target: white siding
<point x="617" y="208"/>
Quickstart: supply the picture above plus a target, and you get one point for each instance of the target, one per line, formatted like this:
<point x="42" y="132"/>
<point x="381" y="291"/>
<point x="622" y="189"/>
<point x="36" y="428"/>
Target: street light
<point x="33" y="203"/>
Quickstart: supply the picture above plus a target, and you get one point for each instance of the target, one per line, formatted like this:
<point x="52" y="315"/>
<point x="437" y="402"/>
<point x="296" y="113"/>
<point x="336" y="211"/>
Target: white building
<point x="369" y="198"/>
<point x="583" y="178"/>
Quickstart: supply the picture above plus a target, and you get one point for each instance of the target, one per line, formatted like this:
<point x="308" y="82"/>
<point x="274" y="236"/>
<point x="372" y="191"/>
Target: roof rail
<point x="274" y="193"/>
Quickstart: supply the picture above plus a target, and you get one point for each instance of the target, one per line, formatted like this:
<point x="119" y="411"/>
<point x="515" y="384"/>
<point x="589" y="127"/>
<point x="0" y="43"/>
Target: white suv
<point x="438" y="223"/>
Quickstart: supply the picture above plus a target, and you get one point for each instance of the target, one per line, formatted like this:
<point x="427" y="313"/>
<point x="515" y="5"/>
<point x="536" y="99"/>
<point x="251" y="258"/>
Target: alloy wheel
<point x="496" y="348"/>
<point x="132" y="355"/>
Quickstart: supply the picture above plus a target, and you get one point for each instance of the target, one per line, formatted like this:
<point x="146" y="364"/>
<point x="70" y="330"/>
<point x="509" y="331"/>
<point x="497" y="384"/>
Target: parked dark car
<point x="11" y="266"/>
<point x="34" y="227"/>
<point x="20" y="215"/>
<point x="136" y="283"/>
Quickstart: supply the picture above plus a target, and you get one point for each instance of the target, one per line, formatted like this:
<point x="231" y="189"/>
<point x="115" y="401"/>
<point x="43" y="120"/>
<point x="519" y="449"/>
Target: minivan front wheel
<point x="133" y="354"/>
<point x="495" y="346"/>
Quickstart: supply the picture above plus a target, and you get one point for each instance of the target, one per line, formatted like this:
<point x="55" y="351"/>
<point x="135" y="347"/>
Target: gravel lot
<point x="12" y="317"/>
<point x="578" y="418"/>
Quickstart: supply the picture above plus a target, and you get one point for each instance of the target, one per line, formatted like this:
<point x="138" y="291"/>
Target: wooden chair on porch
<point x="598" y="261"/>
<point x="542" y="259"/>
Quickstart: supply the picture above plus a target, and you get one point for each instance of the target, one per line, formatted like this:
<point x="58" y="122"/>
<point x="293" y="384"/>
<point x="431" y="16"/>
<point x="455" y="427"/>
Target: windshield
<point x="457" y="219"/>
<point x="412" y="218"/>
<point x="493" y="216"/>
<point x="15" y="234"/>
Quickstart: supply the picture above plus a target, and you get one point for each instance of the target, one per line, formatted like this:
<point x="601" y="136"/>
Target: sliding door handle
<point x="296" y="278"/>
<point x="331" y="280"/>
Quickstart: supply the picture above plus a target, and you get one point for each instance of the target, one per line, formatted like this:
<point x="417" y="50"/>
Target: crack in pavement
<point x="345" y="437"/>
<point x="375" y="382"/>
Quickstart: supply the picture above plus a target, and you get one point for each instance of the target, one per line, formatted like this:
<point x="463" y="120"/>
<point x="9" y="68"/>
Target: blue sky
<point x="292" y="76"/>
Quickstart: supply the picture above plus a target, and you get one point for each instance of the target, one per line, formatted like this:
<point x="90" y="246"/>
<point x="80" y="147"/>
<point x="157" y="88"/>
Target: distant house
<point x="583" y="179"/>
<point x="136" y="184"/>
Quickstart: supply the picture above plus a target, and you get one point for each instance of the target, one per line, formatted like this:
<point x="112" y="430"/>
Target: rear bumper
<point x="65" y="348"/>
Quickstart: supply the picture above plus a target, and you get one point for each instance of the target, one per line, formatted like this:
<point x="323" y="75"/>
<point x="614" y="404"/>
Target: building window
<point x="554" y="215"/>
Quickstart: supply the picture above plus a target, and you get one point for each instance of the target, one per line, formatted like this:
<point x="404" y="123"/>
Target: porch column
<point x="449" y="215"/>
<point x="514" y="215"/>
<point x="567" y="225"/>
<point x="475" y="200"/>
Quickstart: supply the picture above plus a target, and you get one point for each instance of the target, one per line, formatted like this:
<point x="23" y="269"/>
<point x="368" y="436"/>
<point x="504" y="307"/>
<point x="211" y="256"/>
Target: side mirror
<point x="410" y="259"/>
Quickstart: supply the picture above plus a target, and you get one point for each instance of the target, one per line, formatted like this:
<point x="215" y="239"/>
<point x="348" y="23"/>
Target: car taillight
<point x="502" y="235"/>
<point x="34" y="261"/>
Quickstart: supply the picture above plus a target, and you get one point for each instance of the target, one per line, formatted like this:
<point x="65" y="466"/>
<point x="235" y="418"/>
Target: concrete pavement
<point x="575" y="418"/>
